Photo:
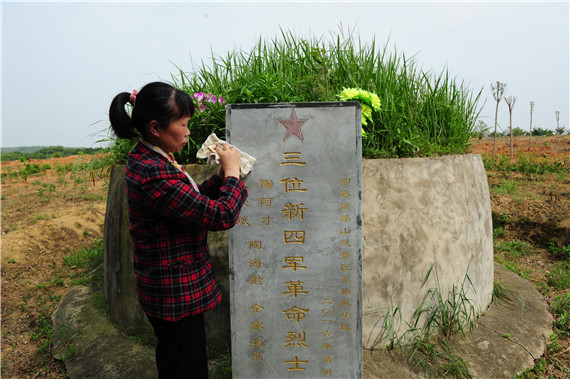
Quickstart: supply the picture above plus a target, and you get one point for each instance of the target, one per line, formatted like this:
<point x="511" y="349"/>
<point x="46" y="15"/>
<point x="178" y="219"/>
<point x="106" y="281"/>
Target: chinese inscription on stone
<point x="295" y="255"/>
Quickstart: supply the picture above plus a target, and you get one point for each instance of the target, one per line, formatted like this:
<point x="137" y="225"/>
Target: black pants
<point x="181" y="348"/>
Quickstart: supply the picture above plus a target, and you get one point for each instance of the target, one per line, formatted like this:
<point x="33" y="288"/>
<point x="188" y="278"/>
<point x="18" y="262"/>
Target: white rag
<point x="208" y="151"/>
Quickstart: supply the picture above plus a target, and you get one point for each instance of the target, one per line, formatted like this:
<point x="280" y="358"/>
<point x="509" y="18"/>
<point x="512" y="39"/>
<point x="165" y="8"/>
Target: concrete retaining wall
<point x="418" y="213"/>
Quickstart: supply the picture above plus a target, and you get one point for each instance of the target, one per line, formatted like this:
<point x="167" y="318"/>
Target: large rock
<point x="91" y="346"/>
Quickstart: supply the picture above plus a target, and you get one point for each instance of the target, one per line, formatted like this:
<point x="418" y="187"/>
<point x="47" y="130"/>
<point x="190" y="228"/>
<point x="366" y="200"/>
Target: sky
<point x="63" y="62"/>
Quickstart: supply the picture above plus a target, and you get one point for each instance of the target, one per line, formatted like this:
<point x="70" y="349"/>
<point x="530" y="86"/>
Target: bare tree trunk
<point x="498" y="89"/>
<point x="530" y="128"/>
<point x="511" y="129"/>
<point x="511" y="103"/>
<point x="495" y="134"/>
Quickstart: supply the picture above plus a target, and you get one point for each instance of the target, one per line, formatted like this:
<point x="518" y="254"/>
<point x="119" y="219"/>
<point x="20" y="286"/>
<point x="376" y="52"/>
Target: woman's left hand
<point x="230" y="158"/>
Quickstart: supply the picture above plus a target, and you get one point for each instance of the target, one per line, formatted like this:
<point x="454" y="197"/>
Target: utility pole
<point x="530" y="128"/>
<point x="557" y="113"/>
<point x="498" y="90"/>
<point x="511" y="103"/>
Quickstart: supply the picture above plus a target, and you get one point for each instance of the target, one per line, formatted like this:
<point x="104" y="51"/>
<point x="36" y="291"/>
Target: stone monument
<point x="296" y="252"/>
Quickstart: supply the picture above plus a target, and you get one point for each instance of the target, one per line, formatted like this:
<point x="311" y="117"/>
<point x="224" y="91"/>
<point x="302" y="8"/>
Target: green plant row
<point x="527" y="164"/>
<point x="49" y="152"/>
<point x="420" y="113"/>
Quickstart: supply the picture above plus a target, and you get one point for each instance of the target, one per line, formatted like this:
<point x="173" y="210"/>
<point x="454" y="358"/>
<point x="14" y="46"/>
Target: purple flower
<point x="202" y="98"/>
<point x="199" y="96"/>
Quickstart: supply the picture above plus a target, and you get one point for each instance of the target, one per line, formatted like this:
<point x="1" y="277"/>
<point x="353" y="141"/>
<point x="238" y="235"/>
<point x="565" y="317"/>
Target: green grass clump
<point x="421" y="113"/>
<point x="441" y="316"/>
<point x="561" y="309"/>
<point x="559" y="277"/>
<point x="508" y="187"/>
<point x="514" y="249"/>
<point x="86" y="258"/>
<point x="505" y="293"/>
<point x="559" y="252"/>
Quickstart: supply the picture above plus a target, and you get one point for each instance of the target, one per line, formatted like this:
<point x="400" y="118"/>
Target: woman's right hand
<point x="230" y="158"/>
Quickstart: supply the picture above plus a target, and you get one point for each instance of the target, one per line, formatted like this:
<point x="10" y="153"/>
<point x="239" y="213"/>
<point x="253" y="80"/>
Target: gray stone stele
<point x="295" y="255"/>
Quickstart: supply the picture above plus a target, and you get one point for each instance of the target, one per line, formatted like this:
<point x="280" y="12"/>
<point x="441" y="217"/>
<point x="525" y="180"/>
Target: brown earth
<point x="53" y="214"/>
<point x="44" y="219"/>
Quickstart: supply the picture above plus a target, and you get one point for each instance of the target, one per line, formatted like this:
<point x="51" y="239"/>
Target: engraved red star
<point x="293" y="125"/>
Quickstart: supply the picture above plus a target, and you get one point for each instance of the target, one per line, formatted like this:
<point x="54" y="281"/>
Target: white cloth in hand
<point x="208" y="152"/>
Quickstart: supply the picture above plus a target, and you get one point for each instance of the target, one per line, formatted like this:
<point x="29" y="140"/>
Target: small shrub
<point x="560" y="252"/>
<point x="86" y="257"/>
<point x="559" y="276"/>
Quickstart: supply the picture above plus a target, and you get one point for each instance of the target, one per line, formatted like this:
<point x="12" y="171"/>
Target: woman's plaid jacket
<point x="169" y="224"/>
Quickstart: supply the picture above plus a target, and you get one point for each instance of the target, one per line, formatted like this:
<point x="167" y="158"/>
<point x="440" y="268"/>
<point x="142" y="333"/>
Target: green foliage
<point x="560" y="252"/>
<point x="508" y="187"/>
<point x="421" y="114"/>
<point x="527" y="164"/>
<point x="425" y="343"/>
<point x="539" y="132"/>
<point x="437" y="359"/>
<point x="559" y="277"/>
<point x="86" y="257"/>
<point x="23" y="153"/>
<point x="504" y="292"/>
<point x="517" y="132"/>
<point x="514" y="249"/>
<point x="561" y="308"/>
<point x="449" y="314"/>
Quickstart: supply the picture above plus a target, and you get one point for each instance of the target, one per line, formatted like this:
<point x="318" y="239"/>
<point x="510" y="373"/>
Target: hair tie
<point x="133" y="97"/>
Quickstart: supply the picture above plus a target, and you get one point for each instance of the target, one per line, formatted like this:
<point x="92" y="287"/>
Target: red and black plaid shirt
<point x="169" y="224"/>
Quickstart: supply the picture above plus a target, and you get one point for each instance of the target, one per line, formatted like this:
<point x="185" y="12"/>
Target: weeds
<point x="440" y="316"/>
<point x="86" y="258"/>
<point x="559" y="252"/>
<point x="559" y="277"/>
<point x="508" y="187"/>
<point x="513" y="249"/>
<point x="561" y="309"/>
<point x="504" y="292"/>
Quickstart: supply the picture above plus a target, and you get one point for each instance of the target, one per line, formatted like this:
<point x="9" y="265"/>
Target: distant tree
<point x="511" y="103"/>
<point x="560" y="130"/>
<point x="517" y="132"/>
<point x="539" y="132"/>
<point x="498" y="90"/>
<point x="481" y="129"/>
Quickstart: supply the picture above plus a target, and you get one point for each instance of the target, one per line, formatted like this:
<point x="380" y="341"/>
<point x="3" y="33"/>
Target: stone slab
<point x="295" y="255"/>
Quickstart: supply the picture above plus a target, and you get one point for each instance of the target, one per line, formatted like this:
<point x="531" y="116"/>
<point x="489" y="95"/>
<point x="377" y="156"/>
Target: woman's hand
<point x="230" y="160"/>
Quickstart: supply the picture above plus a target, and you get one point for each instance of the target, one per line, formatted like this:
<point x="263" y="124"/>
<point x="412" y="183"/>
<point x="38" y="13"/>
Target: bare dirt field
<point x="45" y="218"/>
<point x="57" y="211"/>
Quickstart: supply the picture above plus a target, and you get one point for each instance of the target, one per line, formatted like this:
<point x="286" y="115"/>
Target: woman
<point x="170" y="216"/>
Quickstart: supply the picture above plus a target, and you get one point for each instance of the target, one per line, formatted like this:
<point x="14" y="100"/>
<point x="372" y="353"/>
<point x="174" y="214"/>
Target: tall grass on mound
<point x="421" y="113"/>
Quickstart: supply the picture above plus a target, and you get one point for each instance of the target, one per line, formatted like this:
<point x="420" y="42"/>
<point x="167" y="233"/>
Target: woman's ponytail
<point x="156" y="101"/>
<point x="121" y="122"/>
